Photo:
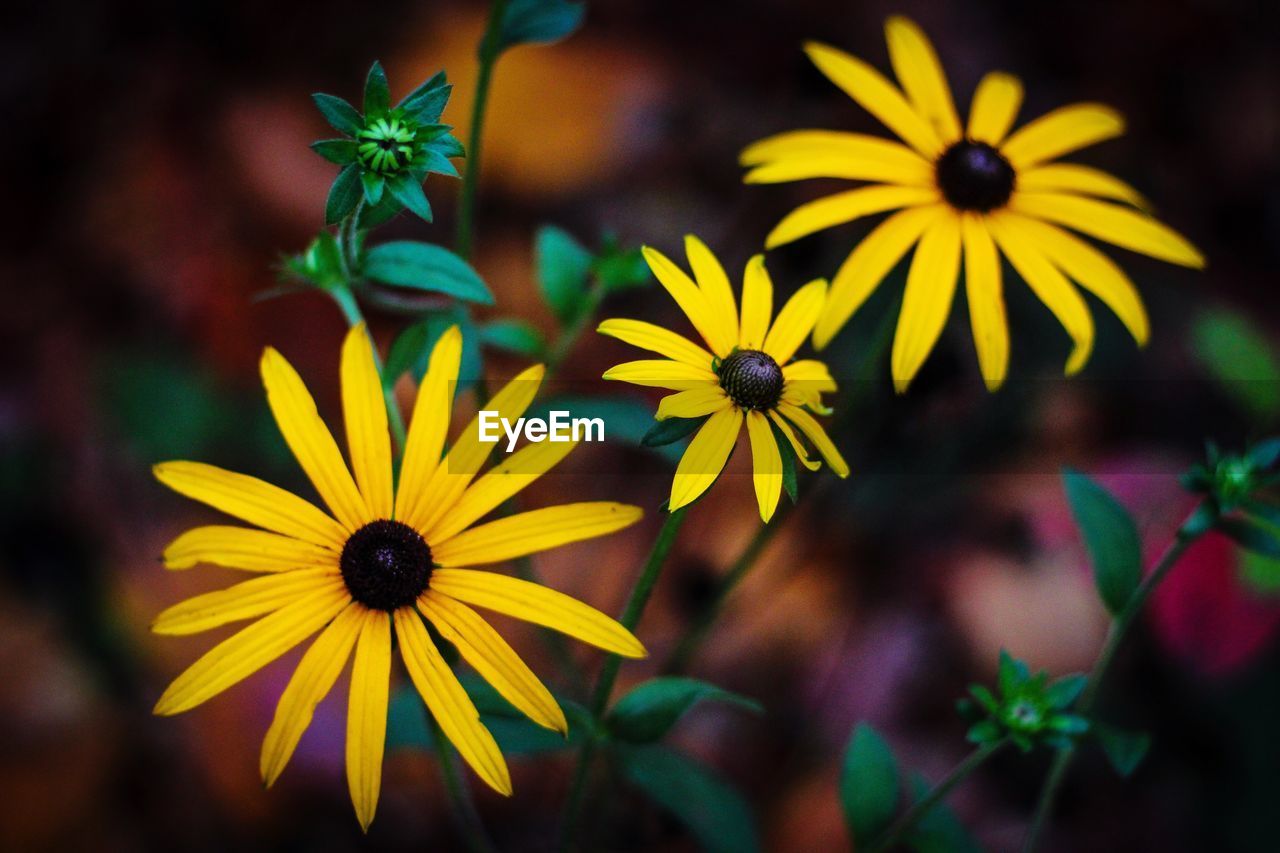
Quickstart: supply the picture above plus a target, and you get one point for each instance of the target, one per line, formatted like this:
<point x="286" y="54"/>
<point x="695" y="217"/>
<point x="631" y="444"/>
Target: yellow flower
<point x="975" y="191"/>
<point x="745" y="373"/>
<point x="384" y="558"/>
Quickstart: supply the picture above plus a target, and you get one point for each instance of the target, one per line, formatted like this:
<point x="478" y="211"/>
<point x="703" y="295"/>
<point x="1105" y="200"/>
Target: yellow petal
<point x="500" y="482"/>
<point x="986" y="300"/>
<point x="657" y="339"/>
<point x="757" y="304"/>
<point x="656" y="373"/>
<point x="766" y="464"/>
<point x="538" y="605"/>
<point x="365" y="411"/>
<point x="244" y="548"/>
<point x="705" y="456"/>
<point x="245" y="600"/>
<point x="795" y="321"/>
<point x="867" y="265"/>
<point x="495" y="661"/>
<point x="310" y="683"/>
<point x="1048" y="284"/>
<point x="1061" y="131"/>
<point x="367" y="713"/>
<point x="921" y="75"/>
<point x="995" y="106"/>
<point x="876" y="95"/>
<point x="1112" y="223"/>
<point x="718" y="332"/>
<point x="252" y="500"/>
<point x="430" y="422"/>
<point x="534" y="531"/>
<point x="694" y="403"/>
<point x="845" y="207"/>
<point x="712" y="280"/>
<point x="802" y="453"/>
<point x="1074" y="178"/>
<point x="311" y="442"/>
<point x="252" y="648"/>
<point x="817" y="435"/>
<point x="866" y="158"/>
<point x="926" y="302"/>
<point x="806" y="381"/>
<point x="449" y="703"/>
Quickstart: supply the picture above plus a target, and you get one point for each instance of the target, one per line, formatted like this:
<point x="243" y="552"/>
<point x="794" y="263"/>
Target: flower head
<point x="744" y="374"/>
<point x="975" y="191"/>
<point x="1027" y="709"/>
<point x="384" y="558"/>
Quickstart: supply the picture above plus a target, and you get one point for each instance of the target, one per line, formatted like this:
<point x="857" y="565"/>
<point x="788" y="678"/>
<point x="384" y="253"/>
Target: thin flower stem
<point x="630" y="618"/>
<point x="463" y="807"/>
<point x="913" y="815"/>
<point x="489" y="50"/>
<point x="1119" y="628"/>
<point x="568" y="337"/>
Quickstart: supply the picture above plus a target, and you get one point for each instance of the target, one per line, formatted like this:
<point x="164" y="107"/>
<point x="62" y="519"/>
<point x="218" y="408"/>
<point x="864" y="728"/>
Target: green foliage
<point x="869" y="785"/>
<point x="425" y="267"/>
<point x="321" y="265"/>
<point x="411" y="350"/>
<point x="939" y="830"/>
<point x="377" y="93"/>
<point x="619" y="267"/>
<point x="790" y="484"/>
<point x="1109" y="535"/>
<point x="1241" y="358"/>
<point x="1027" y="709"/>
<point x="1125" y="750"/>
<point x="649" y="710"/>
<point x="1231" y="484"/>
<point x="344" y="195"/>
<point x="513" y="336"/>
<point x="671" y="430"/>
<point x="562" y="266"/>
<point x="539" y="22"/>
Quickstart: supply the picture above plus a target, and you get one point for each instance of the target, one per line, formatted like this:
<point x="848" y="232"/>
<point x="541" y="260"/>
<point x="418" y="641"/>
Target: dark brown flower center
<point x="752" y="379"/>
<point x="975" y="176"/>
<point x="386" y="565"/>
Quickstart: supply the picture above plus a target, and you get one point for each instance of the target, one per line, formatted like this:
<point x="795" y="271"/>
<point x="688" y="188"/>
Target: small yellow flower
<point x="384" y="558"/>
<point x="975" y="191"/>
<point x="745" y="373"/>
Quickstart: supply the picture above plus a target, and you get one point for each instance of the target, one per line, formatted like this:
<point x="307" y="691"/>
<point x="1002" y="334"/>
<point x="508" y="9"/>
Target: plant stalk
<point x="489" y="51"/>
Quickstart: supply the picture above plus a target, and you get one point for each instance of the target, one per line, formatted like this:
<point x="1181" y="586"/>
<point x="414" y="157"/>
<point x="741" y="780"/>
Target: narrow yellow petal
<point x="986" y="301"/>
<point x="876" y="95"/>
<point x="252" y="648"/>
<point x="795" y="321"/>
<point x="1049" y="285"/>
<point x="1074" y="178"/>
<point x="705" y="456"/>
<point x="921" y="75"/>
<point x="534" y="531"/>
<point x="757" y="304"/>
<point x="817" y="435"/>
<point x="716" y="331"/>
<point x="694" y="403"/>
<point x="926" y="302"/>
<point x="1111" y="223"/>
<point x="490" y="656"/>
<point x="995" y="106"/>
<point x="867" y="265"/>
<point x="365" y="412"/>
<point x="656" y="373"/>
<point x="538" y="605"/>
<point x="802" y="452"/>
<point x="367" y="713"/>
<point x="855" y="156"/>
<point x="766" y="464"/>
<point x="845" y="207"/>
<point x="657" y="339"/>
<point x="430" y="422"/>
<point x="805" y="383"/>
<point x="311" y="682"/>
<point x="311" y="442"/>
<point x="449" y="703"/>
<point x="1061" y="131"/>
<point x="244" y="600"/>
<point x="252" y="500"/>
<point x="244" y="548"/>
<point x="713" y="281"/>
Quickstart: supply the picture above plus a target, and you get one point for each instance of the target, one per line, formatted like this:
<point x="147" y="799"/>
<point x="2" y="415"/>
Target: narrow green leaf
<point x="1011" y="674"/>
<point x="562" y="265"/>
<point x="671" y="430"/>
<point x="789" y="477"/>
<point x="434" y="161"/>
<point x="374" y="184"/>
<point x="513" y="336"/>
<point x="426" y="106"/>
<point x="447" y="145"/>
<point x="436" y="81"/>
<point x="984" y="731"/>
<point x="649" y="710"/>
<point x="539" y="21"/>
<point x="341" y="116"/>
<point x="377" y="94"/>
<point x="344" y="195"/>
<point x="868" y="785"/>
<point x="1125" y="750"/>
<point x="427" y="267"/>
<point x="340" y="151"/>
<point x="1109" y="535"/>
<point x="1252" y="536"/>
<point x="408" y="191"/>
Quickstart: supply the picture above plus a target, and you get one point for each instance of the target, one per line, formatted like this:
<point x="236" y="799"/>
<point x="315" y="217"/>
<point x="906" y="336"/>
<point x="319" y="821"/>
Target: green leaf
<point x="434" y="161"/>
<point x="621" y="270"/>
<point x="562" y="266"/>
<point x="1125" y="750"/>
<point x="425" y="107"/>
<point x="340" y="151"/>
<point x="435" y="82"/>
<point x="341" y="116"/>
<point x="626" y="418"/>
<point x="1252" y="536"/>
<point x="1063" y="692"/>
<point x="939" y="831"/>
<point x="371" y="216"/>
<point x="411" y="350"/>
<point x="407" y="189"/>
<point x="374" y="184"/>
<point x="413" y="343"/>
<point x="1264" y="454"/>
<point x="1261" y="574"/>
<point x="671" y="430"/>
<point x="1011" y="675"/>
<point x="984" y="731"/>
<point x="377" y="94"/>
<point x="539" y="21"/>
<point x="649" y="710"/>
<point x="1239" y="355"/>
<point x="1068" y="724"/>
<point x="423" y="266"/>
<point x="447" y="146"/>
<point x="717" y="815"/>
<point x="344" y="195"/>
<point x="513" y="336"/>
<point x="790" y="483"/>
<point x="868" y="785"/>
<point x="1109" y="535"/>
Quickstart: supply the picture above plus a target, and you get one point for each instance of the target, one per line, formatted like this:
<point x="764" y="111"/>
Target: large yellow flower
<point x="975" y="190"/>
<point x="386" y="557"/>
<point x="745" y="373"/>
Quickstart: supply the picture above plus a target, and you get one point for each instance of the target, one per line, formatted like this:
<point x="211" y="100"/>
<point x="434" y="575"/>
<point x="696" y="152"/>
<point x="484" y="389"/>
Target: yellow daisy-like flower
<point x="975" y="191"/>
<point x="384" y="558"/>
<point x="745" y="373"/>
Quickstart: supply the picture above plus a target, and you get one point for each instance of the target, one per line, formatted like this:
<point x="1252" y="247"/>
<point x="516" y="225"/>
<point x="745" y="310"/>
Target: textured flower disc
<point x="386" y="565"/>
<point x="752" y="379"/>
<point x="975" y="176"/>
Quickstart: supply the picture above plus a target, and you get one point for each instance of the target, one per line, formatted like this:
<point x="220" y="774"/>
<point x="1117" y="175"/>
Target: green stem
<point x="463" y="807"/>
<point x="1119" y="628"/>
<point x="917" y="811"/>
<point x="630" y="618"/>
<point x="568" y="337"/>
<point x="489" y="51"/>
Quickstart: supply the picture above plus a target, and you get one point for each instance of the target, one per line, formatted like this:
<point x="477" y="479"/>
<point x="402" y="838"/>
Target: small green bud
<point x="1026" y="708"/>
<point x="387" y="144"/>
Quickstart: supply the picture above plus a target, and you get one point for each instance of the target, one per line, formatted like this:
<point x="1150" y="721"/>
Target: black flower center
<point x="386" y="565"/>
<point x="752" y="379"/>
<point x="975" y="176"/>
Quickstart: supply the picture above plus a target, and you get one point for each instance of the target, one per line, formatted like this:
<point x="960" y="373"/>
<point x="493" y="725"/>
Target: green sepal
<point x="984" y="731"/>
<point x="344" y="195"/>
<point x="434" y="82"/>
<point x="341" y="116"/>
<point x="371" y="216"/>
<point x="1063" y="692"/>
<point x="671" y="430"/>
<point x="425" y="106"/>
<point x="373" y="186"/>
<point x="407" y="190"/>
<point x="1125" y="750"/>
<point x="340" y="151"/>
<point x="447" y="145"/>
<point x="434" y="161"/>
<point x="377" y="93"/>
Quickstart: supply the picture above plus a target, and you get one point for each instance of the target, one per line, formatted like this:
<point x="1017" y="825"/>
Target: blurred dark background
<point x="156" y="162"/>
